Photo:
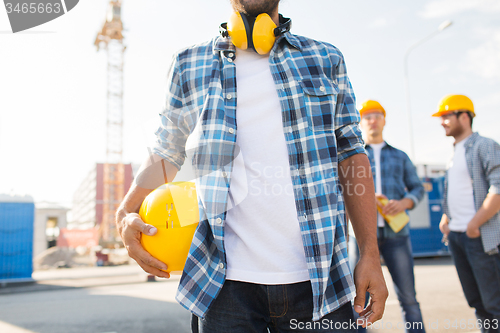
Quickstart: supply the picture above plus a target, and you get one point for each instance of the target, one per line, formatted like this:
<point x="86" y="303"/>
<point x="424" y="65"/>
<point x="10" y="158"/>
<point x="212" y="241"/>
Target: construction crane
<point x="110" y="38"/>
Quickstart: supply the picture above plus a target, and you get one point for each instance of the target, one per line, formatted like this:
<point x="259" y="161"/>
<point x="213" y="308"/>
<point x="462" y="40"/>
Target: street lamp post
<point x="441" y="27"/>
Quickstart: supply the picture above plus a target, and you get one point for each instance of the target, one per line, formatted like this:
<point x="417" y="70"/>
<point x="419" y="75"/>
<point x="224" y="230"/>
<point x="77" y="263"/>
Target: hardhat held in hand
<point x="173" y="209"/>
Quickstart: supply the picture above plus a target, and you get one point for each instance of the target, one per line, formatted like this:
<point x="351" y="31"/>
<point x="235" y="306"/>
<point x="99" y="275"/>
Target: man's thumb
<point x="150" y="230"/>
<point x="359" y="301"/>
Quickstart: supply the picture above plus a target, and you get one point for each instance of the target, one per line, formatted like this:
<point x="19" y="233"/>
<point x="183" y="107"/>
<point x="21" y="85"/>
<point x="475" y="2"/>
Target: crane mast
<point x="110" y="38"/>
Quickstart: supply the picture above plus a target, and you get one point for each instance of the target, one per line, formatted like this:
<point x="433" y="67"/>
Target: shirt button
<point x="322" y="88"/>
<point x="231" y="55"/>
<point x="221" y="265"/>
<point x="229" y="96"/>
<point x="218" y="220"/>
<point x="231" y="130"/>
<point x="224" y="174"/>
<point x="229" y="59"/>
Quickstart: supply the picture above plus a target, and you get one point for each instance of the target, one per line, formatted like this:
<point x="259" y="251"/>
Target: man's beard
<point x="254" y="8"/>
<point x="456" y="131"/>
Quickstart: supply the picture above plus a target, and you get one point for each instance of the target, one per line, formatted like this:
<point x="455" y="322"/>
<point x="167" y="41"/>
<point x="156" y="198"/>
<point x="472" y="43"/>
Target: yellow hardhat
<point x="454" y="103"/>
<point x="173" y="209"/>
<point x="370" y="106"/>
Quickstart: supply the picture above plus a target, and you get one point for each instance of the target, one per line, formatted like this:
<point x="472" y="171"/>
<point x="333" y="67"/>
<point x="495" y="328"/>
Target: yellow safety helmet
<point x="455" y="103"/>
<point x="371" y="106"/>
<point x="173" y="209"/>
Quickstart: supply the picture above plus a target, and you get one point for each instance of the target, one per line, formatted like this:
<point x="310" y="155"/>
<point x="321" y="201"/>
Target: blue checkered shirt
<point x="320" y="125"/>
<point x="399" y="180"/>
<point x="483" y="163"/>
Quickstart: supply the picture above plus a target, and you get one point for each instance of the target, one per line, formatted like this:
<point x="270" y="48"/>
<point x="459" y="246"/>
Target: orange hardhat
<point x="371" y="106"/>
<point x="452" y="103"/>
<point x="173" y="209"/>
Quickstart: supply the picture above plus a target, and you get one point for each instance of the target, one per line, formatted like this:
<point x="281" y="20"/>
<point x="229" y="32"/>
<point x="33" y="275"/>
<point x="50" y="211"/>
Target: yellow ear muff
<point x="260" y="31"/>
<point x="237" y="32"/>
<point x="263" y="34"/>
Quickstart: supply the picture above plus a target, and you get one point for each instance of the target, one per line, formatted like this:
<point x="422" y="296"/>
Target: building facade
<point x="87" y="206"/>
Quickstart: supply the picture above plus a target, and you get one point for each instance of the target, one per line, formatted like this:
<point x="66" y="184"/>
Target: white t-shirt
<point x="262" y="234"/>
<point x="460" y="194"/>
<point x="377" y="149"/>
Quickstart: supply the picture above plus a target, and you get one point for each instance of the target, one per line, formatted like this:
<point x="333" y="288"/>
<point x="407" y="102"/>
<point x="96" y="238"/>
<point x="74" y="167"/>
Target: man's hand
<point x="368" y="277"/>
<point x="472" y="230"/>
<point x="130" y="226"/>
<point x="443" y="225"/>
<point x="379" y="196"/>
<point x="394" y="207"/>
<point x="153" y="172"/>
<point x="490" y="206"/>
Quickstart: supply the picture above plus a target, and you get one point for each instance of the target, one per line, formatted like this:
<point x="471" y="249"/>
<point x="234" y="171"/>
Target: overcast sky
<point x="53" y="82"/>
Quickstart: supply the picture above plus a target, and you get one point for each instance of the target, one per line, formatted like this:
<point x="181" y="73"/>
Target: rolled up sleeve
<point x="415" y="188"/>
<point x="347" y="131"/>
<point x="173" y="131"/>
<point x="492" y="166"/>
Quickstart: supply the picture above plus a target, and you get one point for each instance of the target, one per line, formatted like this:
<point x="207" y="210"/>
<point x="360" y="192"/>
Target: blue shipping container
<point x="424" y="221"/>
<point x="16" y="240"/>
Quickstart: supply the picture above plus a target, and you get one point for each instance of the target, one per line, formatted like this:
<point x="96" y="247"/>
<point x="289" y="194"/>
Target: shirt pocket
<point x="395" y="170"/>
<point x="320" y="99"/>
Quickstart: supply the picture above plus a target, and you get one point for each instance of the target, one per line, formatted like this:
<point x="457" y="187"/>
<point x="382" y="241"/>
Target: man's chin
<point x="254" y="8"/>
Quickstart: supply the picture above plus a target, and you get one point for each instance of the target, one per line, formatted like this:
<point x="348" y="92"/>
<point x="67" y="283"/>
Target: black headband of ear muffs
<point x="285" y="26"/>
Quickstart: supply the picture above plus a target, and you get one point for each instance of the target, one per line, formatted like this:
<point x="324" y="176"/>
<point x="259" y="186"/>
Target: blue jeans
<point x="398" y="258"/>
<point x="254" y="308"/>
<point x="479" y="274"/>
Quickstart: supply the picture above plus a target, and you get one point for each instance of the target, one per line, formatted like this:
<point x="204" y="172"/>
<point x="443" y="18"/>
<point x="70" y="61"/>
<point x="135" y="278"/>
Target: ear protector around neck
<point x="257" y="33"/>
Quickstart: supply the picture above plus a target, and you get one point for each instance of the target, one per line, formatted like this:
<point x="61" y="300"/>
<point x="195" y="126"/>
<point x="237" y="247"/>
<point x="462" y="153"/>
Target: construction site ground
<point x="438" y="290"/>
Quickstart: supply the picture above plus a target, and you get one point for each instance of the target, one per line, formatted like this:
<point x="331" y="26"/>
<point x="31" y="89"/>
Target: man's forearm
<point x="359" y="195"/>
<point x="444" y="219"/>
<point x="490" y="206"/>
<point x="153" y="172"/>
<point x="132" y="201"/>
<point x="407" y="203"/>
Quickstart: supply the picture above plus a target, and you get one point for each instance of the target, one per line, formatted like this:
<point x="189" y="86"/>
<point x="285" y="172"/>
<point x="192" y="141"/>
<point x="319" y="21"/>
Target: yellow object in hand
<point x="173" y="209"/>
<point x="396" y="222"/>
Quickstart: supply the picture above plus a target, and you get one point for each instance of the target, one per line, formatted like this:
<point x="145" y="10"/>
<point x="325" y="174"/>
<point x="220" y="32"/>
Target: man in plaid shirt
<point x="471" y="203"/>
<point x="396" y="181"/>
<point x="278" y="158"/>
